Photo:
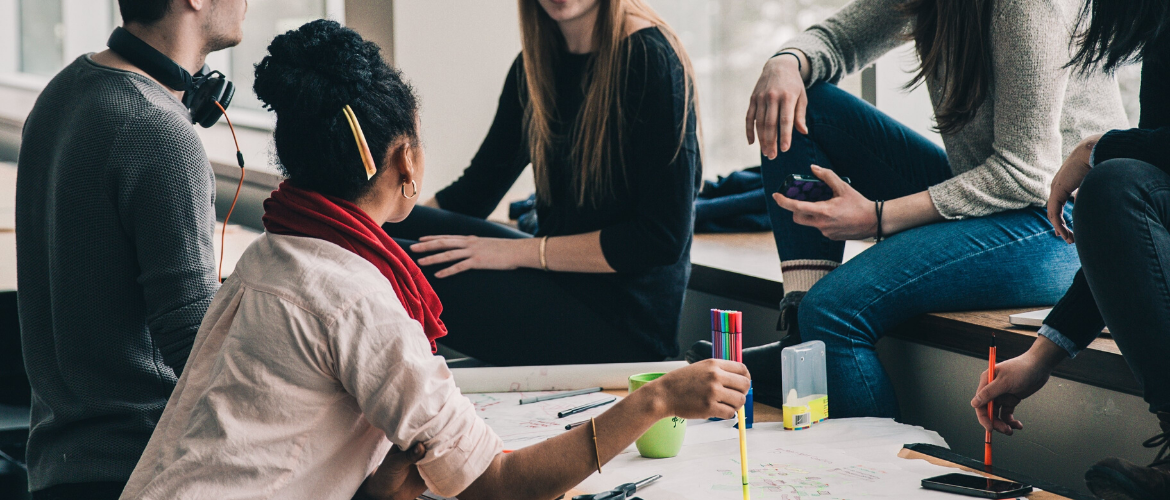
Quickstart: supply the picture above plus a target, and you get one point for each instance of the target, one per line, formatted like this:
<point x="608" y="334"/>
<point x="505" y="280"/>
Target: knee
<point x="819" y="316"/>
<point x="1116" y="184"/>
<point x="836" y="311"/>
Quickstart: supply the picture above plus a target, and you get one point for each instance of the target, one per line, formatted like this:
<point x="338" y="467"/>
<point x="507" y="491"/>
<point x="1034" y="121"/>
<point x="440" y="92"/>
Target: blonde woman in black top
<point x="600" y="101"/>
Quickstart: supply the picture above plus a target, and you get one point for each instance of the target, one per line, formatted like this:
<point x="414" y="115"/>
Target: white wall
<point x="9" y="36"/>
<point x="456" y="53"/>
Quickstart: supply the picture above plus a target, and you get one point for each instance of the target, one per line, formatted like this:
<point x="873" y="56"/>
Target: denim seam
<point x="1154" y="248"/>
<point x="853" y="340"/>
<point x="933" y="270"/>
<point x="1150" y="242"/>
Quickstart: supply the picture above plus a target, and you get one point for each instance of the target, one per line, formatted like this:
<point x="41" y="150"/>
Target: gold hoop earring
<point x="413" y="186"/>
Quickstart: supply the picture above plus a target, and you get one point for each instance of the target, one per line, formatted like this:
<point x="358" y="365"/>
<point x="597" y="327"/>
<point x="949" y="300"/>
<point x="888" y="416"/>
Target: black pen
<point x="586" y="406"/>
<point x="575" y="425"/>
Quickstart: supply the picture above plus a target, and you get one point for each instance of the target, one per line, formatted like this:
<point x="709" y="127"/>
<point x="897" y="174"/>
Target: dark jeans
<point x="518" y="317"/>
<point x="81" y="491"/>
<point x="1007" y="259"/>
<point x="1122" y="211"/>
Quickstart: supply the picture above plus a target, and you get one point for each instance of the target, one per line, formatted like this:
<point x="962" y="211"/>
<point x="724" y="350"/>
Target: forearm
<point x="1046" y="354"/>
<point x="550" y="468"/>
<point x="578" y="253"/>
<point x="908" y="212"/>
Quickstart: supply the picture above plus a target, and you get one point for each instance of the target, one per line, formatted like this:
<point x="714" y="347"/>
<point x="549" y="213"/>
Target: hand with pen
<point x="711" y="388"/>
<point x="1015" y="380"/>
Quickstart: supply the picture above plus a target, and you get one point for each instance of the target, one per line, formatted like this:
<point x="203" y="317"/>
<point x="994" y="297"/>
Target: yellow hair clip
<point x="360" y="138"/>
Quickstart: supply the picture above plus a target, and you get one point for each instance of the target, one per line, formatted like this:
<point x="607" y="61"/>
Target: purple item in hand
<point x="804" y="188"/>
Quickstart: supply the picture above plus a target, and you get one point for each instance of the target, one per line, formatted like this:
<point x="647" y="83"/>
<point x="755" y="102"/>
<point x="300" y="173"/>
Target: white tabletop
<point x="238" y="237"/>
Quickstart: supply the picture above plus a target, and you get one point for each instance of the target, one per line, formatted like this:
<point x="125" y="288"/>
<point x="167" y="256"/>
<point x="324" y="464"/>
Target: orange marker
<point x="990" y="405"/>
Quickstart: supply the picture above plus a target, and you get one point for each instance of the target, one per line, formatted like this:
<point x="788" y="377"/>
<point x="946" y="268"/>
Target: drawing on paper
<point x="523" y="425"/>
<point x="785" y="474"/>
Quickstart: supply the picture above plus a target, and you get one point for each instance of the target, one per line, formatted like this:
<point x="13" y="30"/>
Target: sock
<point x="801" y="275"/>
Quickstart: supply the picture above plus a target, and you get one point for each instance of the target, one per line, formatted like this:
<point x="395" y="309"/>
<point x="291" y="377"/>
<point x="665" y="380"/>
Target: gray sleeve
<point x="1030" y="46"/>
<point x="852" y="38"/>
<point x="165" y="197"/>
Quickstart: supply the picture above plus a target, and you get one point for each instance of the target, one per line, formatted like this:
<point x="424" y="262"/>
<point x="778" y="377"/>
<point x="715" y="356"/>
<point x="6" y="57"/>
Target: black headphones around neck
<point x="201" y="91"/>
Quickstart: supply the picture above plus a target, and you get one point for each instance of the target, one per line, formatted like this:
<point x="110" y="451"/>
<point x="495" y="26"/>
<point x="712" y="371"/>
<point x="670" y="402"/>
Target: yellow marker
<point x="743" y="463"/>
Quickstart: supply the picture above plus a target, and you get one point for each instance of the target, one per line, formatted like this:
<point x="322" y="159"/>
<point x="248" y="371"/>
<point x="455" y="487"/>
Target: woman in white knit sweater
<point x="960" y="228"/>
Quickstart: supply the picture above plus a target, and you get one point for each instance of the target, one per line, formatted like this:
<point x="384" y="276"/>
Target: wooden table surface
<point x="765" y="413"/>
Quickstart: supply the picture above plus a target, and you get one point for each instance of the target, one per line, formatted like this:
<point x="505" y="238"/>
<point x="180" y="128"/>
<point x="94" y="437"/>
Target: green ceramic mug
<point x="664" y="439"/>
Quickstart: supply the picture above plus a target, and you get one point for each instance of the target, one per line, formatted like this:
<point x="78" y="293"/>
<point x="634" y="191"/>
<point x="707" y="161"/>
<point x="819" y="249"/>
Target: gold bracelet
<point x="595" y="450"/>
<point x="543" y="262"/>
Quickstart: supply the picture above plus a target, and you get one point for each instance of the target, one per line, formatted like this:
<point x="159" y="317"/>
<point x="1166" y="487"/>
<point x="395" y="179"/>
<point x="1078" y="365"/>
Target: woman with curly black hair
<point x="315" y="360"/>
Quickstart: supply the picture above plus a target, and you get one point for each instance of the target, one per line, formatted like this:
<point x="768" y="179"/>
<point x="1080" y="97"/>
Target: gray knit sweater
<point x="1035" y="114"/>
<point x="114" y="222"/>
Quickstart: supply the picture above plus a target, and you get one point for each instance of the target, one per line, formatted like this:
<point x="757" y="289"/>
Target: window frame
<point x="80" y="33"/>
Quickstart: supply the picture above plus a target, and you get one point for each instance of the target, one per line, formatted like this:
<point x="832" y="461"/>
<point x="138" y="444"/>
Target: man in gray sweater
<point x="114" y="223"/>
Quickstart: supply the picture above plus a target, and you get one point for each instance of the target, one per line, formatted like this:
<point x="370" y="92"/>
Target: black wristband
<point x="878" y="206"/>
<point x="799" y="66"/>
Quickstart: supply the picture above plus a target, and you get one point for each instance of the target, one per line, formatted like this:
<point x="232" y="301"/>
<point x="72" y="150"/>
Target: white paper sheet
<point x="523" y="425"/>
<point x="836" y="459"/>
<point x="554" y="378"/>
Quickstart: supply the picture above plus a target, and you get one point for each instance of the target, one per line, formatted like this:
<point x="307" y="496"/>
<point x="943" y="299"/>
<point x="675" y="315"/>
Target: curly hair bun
<point x="316" y="69"/>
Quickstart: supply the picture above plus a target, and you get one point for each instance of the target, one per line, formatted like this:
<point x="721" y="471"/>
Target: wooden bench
<point x="744" y="267"/>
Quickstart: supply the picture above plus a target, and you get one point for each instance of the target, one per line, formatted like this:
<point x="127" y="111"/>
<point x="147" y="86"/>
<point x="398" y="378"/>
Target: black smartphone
<point x="976" y="486"/>
<point x="807" y="188"/>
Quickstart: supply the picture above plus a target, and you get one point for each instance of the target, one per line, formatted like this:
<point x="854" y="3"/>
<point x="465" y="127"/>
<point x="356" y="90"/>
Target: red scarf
<point x="296" y="212"/>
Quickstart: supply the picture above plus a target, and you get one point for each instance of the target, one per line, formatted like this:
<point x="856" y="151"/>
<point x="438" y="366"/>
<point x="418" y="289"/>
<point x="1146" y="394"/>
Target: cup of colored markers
<point x="727" y="343"/>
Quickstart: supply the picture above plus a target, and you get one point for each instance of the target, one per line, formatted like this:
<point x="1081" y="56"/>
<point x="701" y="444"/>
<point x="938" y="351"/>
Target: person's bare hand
<point x="1015" y="380"/>
<point x="1066" y="181"/>
<point x="846" y="216"/>
<point x="469" y="252"/>
<point x="709" y="388"/>
<point x="778" y="104"/>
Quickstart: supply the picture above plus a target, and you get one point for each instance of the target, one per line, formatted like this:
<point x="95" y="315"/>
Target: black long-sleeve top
<point x="1076" y="316"/>
<point x="646" y="223"/>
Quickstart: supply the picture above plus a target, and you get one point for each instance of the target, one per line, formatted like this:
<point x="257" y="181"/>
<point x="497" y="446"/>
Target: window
<point x="265" y="20"/>
<point x="728" y="43"/>
<point x="41" y="37"/>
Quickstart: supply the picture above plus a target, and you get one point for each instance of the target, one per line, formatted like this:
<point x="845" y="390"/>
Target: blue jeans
<point x="1008" y="259"/>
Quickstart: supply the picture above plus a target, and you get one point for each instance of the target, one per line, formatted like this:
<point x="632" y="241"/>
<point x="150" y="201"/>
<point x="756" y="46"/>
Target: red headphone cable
<point x="240" y="160"/>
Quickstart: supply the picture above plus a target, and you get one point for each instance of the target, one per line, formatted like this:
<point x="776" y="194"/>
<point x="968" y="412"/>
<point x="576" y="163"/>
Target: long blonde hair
<point x="596" y="148"/>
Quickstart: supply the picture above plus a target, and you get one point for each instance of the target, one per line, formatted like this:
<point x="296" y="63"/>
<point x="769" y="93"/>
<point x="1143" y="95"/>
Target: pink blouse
<point x="305" y="370"/>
